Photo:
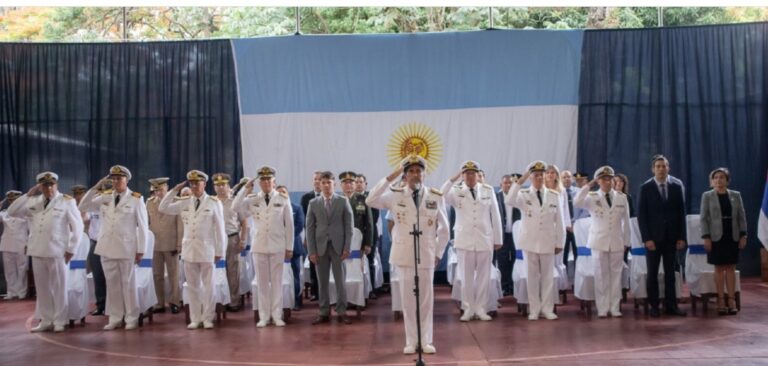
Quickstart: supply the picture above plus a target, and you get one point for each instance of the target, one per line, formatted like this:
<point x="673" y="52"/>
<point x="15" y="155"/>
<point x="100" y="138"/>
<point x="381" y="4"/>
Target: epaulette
<point x="252" y="195"/>
<point x="106" y="191"/>
<point x="136" y="194"/>
<point x="436" y="191"/>
<point x="151" y="198"/>
<point x="67" y="197"/>
<point x="396" y="189"/>
<point x="525" y="190"/>
<point x="214" y="198"/>
<point x="593" y="193"/>
<point x="487" y="186"/>
<point x="284" y="195"/>
<point x="181" y="198"/>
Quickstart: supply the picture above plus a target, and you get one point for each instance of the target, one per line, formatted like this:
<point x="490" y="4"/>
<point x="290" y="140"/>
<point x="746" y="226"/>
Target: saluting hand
<point x="524" y="177"/>
<point x="456" y="177"/>
<point x="179" y="186"/>
<point x="34" y="190"/>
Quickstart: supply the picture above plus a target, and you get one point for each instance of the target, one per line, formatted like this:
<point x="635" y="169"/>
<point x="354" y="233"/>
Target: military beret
<point x="197" y="176"/>
<point x="47" y="177"/>
<point x="120" y="171"/>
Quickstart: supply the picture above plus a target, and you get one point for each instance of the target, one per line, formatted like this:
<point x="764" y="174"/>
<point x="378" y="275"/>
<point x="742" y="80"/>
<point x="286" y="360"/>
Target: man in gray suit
<point x="329" y="236"/>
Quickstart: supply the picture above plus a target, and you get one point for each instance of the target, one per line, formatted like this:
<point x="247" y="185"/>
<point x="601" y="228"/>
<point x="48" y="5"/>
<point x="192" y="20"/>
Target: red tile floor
<point x="377" y="338"/>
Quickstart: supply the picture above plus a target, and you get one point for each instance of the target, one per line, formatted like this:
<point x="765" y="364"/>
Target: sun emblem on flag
<point x="418" y="139"/>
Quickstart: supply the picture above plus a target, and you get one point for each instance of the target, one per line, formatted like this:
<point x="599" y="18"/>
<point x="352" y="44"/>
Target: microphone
<point x="416" y="189"/>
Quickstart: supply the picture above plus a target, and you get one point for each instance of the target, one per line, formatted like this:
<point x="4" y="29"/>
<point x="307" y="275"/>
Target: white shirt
<point x="272" y="223"/>
<point x="204" y="233"/>
<point x="124" y="227"/>
<point x="610" y="228"/>
<point x="15" y="233"/>
<point x="542" y="227"/>
<point x="478" y="222"/>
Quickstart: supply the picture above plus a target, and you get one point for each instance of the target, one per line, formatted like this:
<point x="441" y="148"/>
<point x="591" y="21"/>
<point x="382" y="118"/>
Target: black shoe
<point x="654" y="313"/>
<point x="158" y="310"/>
<point x="344" y="319"/>
<point x="313" y="298"/>
<point x="733" y="311"/>
<point x="174" y="308"/>
<point x="321" y="319"/>
<point x="98" y="312"/>
<point x="676" y="312"/>
<point x="373" y="296"/>
<point x="232" y="308"/>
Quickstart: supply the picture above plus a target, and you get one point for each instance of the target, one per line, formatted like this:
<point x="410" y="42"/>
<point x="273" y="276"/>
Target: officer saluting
<point x="542" y="236"/>
<point x="121" y="244"/>
<point x="477" y="233"/>
<point x="203" y="244"/>
<point x="55" y="227"/>
<point x="401" y="202"/>
<point x="608" y="235"/>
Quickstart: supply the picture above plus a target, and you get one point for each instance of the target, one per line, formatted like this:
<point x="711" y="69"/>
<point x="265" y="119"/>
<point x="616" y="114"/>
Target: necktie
<point x="538" y="195"/>
<point x="472" y="190"/>
<point x="416" y="198"/>
<point x="266" y="199"/>
<point x="664" y="191"/>
<point x="117" y="199"/>
<point x="197" y="204"/>
<point x="328" y="206"/>
<point x="608" y="199"/>
<point x="47" y="201"/>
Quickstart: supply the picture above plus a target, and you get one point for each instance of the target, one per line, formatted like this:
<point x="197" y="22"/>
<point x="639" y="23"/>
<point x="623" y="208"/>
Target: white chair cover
<point x="354" y="274"/>
<point x="639" y="269"/>
<point x="77" y="282"/>
<point x="584" y="282"/>
<point x="378" y="279"/>
<point x="520" y="273"/>
<point x="145" y="283"/>
<point x="246" y="270"/>
<point x="451" y="262"/>
<point x="394" y="285"/>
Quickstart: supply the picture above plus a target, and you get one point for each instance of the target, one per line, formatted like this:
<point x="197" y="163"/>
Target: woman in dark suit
<point x="724" y="230"/>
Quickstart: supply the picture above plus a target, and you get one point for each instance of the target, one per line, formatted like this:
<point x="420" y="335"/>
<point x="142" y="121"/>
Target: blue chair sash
<point x="638" y="251"/>
<point x="78" y="264"/>
<point x="222" y="263"/>
<point x="355" y="254"/>
<point x="697" y="249"/>
<point x="145" y="263"/>
<point x="583" y="252"/>
<point x="519" y="254"/>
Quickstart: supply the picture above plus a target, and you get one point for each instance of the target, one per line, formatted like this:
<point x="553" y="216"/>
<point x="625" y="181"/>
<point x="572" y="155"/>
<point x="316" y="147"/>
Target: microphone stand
<point x="417" y="259"/>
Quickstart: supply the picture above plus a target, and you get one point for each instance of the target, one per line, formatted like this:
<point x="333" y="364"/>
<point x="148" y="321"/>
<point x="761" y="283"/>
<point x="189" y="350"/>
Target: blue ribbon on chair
<point x="355" y="254"/>
<point x="583" y="252"/>
<point x="244" y="252"/>
<point x="222" y="263"/>
<point x="79" y="264"/>
<point x="638" y="251"/>
<point x="519" y="254"/>
<point x="697" y="249"/>
<point x="145" y="263"/>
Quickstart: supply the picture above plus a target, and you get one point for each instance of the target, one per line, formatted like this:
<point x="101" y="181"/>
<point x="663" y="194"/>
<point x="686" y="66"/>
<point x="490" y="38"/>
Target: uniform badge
<point x="528" y="203"/>
<point x="278" y="205"/>
<point x="429" y="223"/>
<point x="431" y="205"/>
<point x="401" y="204"/>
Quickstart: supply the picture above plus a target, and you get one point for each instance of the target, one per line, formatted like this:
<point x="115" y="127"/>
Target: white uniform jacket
<point x="610" y="229"/>
<point x="204" y="234"/>
<point x="53" y="230"/>
<point x="273" y="222"/>
<point x="542" y="227"/>
<point x="432" y="220"/>
<point x="123" y="228"/>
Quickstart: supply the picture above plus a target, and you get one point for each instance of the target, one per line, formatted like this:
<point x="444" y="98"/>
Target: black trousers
<point x="312" y="279"/>
<point x="99" y="281"/>
<point x="665" y="253"/>
<point x="505" y="260"/>
<point x="570" y="244"/>
<point x="372" y="269"/>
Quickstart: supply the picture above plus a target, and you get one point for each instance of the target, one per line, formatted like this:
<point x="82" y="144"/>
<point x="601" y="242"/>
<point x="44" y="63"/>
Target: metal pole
<point x="298" y="21"/>
<point x="125" y="23"/>
<point x="660" y="13"/>
<point x="490" y="17"/>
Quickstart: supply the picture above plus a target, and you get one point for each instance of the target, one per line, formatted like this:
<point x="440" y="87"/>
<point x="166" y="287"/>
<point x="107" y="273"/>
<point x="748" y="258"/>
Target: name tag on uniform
<point x="431" y="205"/>
<point x="528" y="203"/>
<point x="485" y="198"/>
<point x="401" y="204"/>
<point x="278" y="205"/>
<point x="256" y="205"/>
<point x="552" y="206"/>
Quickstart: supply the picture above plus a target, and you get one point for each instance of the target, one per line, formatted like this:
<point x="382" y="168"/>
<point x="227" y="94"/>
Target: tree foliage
<point x="85" y="24"/>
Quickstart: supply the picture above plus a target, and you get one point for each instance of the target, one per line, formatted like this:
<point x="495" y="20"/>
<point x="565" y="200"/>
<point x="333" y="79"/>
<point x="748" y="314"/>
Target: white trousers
<point x="476" y="281"/>
<point x="540" y="283"/>
<point x="122" y="296"/>
<point x="269" y="278"/>
<point x="51" y="286"/>
<point x="608" y="266"/>
<point x="15" y="268"/>
<point x="202" y="304"/>
<point x="426" y="294"/>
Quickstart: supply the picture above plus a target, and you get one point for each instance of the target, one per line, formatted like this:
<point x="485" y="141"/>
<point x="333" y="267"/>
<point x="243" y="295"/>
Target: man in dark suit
<point x="505" y="257"/>
<point x="304" y="206"/>
<point x="661" y="217"/>
<point x="298" y="249"/>
<point x="329" y="237"/>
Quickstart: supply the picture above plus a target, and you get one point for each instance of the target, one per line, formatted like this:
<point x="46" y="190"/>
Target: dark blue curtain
<point x="698" y="95"/>
<point x="158" y="108"/>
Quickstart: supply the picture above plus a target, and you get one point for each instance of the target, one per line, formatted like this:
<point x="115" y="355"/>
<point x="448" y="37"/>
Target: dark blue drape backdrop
<point x="159" y="108"/>
<point x="696" y="94"/>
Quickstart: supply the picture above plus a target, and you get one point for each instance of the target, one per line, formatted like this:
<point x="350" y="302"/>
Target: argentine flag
<point x="362" y="102"/>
